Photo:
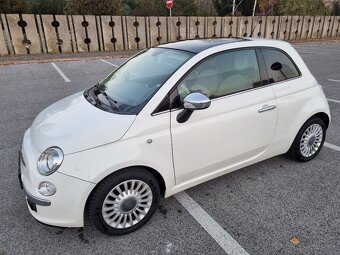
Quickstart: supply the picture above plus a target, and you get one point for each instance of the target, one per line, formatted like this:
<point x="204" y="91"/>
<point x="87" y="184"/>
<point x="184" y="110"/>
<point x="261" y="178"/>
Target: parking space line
<point x="107" y="62"/>
<point x="311" y="52"/>
<point x="332" y="146"/>
<point x="334" y="80"/>
<point x="333" y="100"/>
<point x="227" y="243"/>
<point x="61" y="73"/>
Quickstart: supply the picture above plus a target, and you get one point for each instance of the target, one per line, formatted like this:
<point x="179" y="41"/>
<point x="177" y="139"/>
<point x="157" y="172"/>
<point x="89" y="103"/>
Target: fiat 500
<point x="170" y="118"/>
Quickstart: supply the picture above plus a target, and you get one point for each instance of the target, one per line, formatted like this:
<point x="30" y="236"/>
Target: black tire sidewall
<point x="296" y="146"/>
<point x="103" y="188"/>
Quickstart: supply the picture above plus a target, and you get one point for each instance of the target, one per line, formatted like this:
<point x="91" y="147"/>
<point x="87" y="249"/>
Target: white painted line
<point x="333" y="100"/>
<point x="332" y="146"/>
<point x="334" y="80"/>
<point x="107" y="62"/>
<point x="61" y="73"/>
<point x="310" y="52"/>
<point x="227" y="243"/>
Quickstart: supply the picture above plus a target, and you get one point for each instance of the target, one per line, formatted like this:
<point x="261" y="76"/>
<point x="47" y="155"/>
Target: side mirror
<point x="277" y="66"/>
<point x="192" y="102"/>
<point x="196" y="101"/>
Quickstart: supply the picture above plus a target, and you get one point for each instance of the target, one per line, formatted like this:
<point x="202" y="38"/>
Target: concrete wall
<point x="36" y="34"/>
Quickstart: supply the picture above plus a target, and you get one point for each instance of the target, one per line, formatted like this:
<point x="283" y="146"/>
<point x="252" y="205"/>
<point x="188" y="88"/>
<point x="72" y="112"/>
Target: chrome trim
<point x="42" y="163"/>
<point x="35" y="200"/>
<point x="266" y="108"/>
<point x="196" y="101"/>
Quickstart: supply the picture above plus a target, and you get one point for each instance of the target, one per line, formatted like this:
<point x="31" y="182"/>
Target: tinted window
<point x="272" y="58"/>
<point x="223" y="74"/>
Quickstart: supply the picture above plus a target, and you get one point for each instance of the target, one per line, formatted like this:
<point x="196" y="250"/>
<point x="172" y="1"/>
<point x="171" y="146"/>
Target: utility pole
<point x="254" y="7"/>
<point x="233" y="13"/>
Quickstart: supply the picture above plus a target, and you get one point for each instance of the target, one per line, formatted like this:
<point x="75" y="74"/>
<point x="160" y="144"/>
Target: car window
<point x="288" y="70"/>
<point x="134" y="83"/>
<point x="222" y="74"/>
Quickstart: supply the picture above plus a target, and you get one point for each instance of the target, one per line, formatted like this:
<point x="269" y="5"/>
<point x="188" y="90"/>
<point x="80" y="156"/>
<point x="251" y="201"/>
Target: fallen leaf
<point x="295" y="240"/>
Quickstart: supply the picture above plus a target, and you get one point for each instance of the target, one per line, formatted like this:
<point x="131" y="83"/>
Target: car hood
<point x="73" y="124"/>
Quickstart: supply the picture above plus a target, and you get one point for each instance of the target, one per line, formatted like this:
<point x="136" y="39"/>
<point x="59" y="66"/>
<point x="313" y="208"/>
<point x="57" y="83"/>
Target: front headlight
<point x="50" y="160"/>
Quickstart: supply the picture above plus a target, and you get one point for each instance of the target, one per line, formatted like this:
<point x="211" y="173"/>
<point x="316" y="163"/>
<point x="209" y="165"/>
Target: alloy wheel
<point x="311" y="140"/>
<point x="127" y="204"/>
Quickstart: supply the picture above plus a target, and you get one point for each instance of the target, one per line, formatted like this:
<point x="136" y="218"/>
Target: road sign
<point x="169" y="4"/>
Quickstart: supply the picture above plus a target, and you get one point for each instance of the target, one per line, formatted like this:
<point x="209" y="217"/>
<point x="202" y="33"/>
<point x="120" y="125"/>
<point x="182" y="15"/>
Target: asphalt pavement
<point x="274" y="207"/>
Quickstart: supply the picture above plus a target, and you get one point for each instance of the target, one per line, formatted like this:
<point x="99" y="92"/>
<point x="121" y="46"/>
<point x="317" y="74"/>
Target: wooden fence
<point x="36" y="34"/>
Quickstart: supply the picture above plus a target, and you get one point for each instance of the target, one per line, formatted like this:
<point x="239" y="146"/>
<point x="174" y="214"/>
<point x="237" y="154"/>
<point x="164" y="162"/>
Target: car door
<point x="238" y="126"/>
<point x="291" y="92"/>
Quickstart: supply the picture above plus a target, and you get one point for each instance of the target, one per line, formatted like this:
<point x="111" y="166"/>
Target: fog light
<point x="47" y="189"/>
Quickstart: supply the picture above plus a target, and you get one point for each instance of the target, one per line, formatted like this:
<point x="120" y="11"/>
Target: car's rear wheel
<point x="309" y="140"/>
<point x="124" y="201"/>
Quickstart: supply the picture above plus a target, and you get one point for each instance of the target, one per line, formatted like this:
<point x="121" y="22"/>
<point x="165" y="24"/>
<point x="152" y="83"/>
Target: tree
<point x="158" y="8"/>
<point x="184" y="8"/>
<point x="336" y="9"/>
<point x="205" y="8"/>
<point x="128" y="7"/>
<point x="48" y="6"/>
<point x="94" y="7"/>
<point x="149" y="8"/>
<point x="266" y="7"/>
<point x="245" y="8"/>
<point x="223" y="7"/>
<point x="14" y="6"/>
<point x="301" y="7"/>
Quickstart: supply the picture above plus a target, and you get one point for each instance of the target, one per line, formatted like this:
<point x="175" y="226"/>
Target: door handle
<point x="267" y="108"/>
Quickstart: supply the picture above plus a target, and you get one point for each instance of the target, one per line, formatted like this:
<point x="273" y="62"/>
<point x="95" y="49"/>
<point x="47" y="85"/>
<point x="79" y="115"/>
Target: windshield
<point x="134" y="83"/>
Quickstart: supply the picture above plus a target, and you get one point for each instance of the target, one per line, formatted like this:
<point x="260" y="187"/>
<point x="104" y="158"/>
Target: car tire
<point x="124" y="201"/>
<point x="309" y="140"/>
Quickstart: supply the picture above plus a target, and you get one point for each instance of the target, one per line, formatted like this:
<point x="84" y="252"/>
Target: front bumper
<point x="31" y="200"/>
<point x="66" y="207"/>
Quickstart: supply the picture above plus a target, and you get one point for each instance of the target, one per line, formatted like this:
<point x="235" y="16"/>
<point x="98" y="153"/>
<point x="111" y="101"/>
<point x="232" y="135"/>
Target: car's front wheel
<point x="309" y="140"/>
<point x="124" y="201"/>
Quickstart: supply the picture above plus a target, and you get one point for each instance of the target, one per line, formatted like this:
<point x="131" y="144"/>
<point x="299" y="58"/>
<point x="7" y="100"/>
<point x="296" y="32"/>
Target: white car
<point x="169" y="118"/>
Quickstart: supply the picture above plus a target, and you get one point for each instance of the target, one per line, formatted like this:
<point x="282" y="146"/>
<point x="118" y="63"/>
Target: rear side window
<point x="223" y="74"/>
<point x="279" y="66"/>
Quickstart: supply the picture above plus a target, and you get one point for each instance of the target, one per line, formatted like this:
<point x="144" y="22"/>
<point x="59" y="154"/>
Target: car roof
<point x="198" y="45"/>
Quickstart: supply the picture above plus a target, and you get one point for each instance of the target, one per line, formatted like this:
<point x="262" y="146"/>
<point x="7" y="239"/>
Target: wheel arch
<point x="324" y="116"/>
<point x="294" y="150"/>
<point x="154" y="172"/>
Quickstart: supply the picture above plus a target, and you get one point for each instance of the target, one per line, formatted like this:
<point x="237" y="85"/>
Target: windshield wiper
<point x="109" y="99"/>
<point x="95" y="97"/>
